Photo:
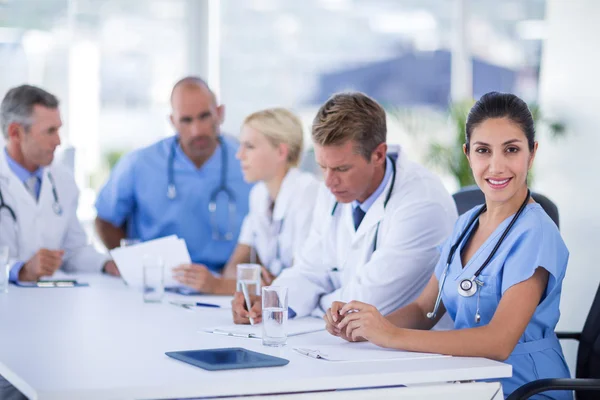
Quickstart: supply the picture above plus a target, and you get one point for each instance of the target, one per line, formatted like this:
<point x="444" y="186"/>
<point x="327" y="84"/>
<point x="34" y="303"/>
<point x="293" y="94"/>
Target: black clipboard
<point x="51" y="283"/>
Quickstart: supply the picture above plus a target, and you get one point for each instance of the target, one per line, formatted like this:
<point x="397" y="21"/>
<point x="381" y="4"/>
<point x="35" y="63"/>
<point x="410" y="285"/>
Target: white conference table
<point x="104" y="342"/>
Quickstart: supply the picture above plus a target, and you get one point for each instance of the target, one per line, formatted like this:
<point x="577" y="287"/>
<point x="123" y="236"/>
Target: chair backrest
<point x="471" y="196"/>
<point x="588" y="354"/>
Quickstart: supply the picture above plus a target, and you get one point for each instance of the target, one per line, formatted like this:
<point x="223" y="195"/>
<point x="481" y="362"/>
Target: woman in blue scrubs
<point x="500" y="273"/>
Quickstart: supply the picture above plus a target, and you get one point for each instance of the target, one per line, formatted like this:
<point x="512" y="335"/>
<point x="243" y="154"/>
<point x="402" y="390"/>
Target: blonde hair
<point x="279" y="126"/>
<point x="350" y="116"/>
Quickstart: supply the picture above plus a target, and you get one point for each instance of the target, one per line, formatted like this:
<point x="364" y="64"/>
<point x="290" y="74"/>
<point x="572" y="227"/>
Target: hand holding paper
<point x="170" y="249"/>
<point x="196" y="276"/>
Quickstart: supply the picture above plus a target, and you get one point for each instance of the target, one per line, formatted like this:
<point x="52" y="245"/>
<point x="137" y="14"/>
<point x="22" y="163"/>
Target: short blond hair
<point x="350" y="116"/>
<point x="279" y="125"/>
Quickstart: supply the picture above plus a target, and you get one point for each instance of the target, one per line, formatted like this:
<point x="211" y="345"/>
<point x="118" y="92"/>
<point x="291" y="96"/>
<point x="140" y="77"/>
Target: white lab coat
<point x="284" y="229"/>
<point x="38" y="226"/>
<point x="337" y="263"/>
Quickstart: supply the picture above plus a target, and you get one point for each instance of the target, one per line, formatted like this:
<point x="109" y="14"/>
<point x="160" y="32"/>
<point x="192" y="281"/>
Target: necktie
<point x="30" y="185"/>
<point x="357" y="215"/>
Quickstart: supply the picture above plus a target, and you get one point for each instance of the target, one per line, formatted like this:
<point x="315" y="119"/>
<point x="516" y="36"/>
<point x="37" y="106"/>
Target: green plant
<point x="112" y="157"/>
<point x="446" y="152"/>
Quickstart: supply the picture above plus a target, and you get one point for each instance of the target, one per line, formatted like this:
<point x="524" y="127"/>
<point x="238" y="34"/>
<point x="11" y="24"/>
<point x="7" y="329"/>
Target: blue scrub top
<point x="533" y="241"/>
<point x="136" y="193"/>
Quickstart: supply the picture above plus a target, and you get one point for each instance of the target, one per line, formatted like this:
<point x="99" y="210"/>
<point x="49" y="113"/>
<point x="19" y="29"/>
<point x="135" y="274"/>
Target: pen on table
<point x="208" y="305"/>
<point x="247" y="300"/>
<point x="234" y="334"/>
<point x="308" y="352"/>
<point x="187" y="305"/>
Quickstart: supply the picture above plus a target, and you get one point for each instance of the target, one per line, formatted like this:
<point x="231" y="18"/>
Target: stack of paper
<point x="130" y="259"/>
<point x="294" y="327"/>
<point x="363" y="351"/>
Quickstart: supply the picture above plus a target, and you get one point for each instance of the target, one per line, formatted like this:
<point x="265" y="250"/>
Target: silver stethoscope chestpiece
<point x="467" y="287"/>
<point x="171" y="192"/>
<point x="57" y="208"/>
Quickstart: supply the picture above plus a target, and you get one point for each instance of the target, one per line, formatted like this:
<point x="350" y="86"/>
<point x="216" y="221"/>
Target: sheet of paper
<point x="363" y="351"/>
<point x="170" y="249"/>
<point x="294" y="327"/>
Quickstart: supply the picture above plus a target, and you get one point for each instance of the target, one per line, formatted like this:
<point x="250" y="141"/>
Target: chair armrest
<point x="542" y="385"/>
<point x="569" y="335"/>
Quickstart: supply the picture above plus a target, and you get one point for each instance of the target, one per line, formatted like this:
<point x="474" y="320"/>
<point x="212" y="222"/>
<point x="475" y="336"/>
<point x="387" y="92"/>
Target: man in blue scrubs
<point x="190" y="184"/>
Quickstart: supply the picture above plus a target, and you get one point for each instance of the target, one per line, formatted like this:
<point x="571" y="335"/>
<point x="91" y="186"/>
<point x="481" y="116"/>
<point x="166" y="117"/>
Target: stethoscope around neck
<point x="56" y="206"/>
<point x="385" y="202"/>
<point x="212" y="204"/>
<point x="277" y="265"/>
<point x="468" y="287"/>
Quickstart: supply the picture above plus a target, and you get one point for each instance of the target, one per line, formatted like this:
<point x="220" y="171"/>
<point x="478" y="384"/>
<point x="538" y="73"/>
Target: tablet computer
<point x="227" y="358"/>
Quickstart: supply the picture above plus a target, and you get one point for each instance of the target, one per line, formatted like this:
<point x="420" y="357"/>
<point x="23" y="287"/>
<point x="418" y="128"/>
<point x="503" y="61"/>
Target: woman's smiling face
<point x="500" y="158"/>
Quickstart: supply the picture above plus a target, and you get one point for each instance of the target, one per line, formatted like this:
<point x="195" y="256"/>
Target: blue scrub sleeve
<point x="116" y="199"/>
<point x="539" y="246"/>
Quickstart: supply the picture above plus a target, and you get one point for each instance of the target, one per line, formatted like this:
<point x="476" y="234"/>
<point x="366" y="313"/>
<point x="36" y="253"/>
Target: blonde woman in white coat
<point x="281" y="203"/>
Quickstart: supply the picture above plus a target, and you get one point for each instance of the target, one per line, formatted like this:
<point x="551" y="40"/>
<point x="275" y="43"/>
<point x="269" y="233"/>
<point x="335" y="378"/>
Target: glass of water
<point x="249" y="274"/>
<point x="274" y="315"/>
<point x="4" y="269"/>
<point x="154" y="279"/>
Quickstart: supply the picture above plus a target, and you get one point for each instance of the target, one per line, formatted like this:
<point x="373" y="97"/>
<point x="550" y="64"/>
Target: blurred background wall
<point x="113" y="62"/>
<point x="568" y="171"/>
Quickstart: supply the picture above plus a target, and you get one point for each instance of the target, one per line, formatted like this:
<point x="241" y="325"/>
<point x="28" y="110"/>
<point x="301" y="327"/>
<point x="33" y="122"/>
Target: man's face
<point x="197" y="119"/>
<point x="347" y="174"/>
<point x="38" y="143"/>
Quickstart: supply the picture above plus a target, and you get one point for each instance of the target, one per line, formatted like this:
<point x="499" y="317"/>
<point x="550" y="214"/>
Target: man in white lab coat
<point x="377" y="220"/>
<point x="38" y="200"/>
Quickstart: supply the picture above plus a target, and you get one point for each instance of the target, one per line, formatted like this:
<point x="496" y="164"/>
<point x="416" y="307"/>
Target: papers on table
<point x="364" y="351"/>
<point x="130" y="259"/>
<point x="294" y="327"/>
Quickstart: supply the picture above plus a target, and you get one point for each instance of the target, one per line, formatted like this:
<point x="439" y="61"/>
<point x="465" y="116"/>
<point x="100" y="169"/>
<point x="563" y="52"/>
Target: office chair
<point x="587" y="376"/>
<point x="471" y="196"/>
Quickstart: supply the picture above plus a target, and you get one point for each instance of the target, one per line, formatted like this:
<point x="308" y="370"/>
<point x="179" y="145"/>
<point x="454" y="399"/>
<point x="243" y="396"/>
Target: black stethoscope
<point x="13" y="215"/>
<point x="56" y="207"/>
<point x="8" y="208"/>
<point x="58" y="210"/>
<point x="212" y="205"/>
<point x="385" y="202"/>
<point x="277" y="265"/>
<point x="468" y="287"/>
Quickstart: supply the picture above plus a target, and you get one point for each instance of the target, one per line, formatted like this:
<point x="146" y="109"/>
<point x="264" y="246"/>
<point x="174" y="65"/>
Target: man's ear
<point x="221" y="113"/>
<point x="379" y="154"/>
<point x="15" y="130"/>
